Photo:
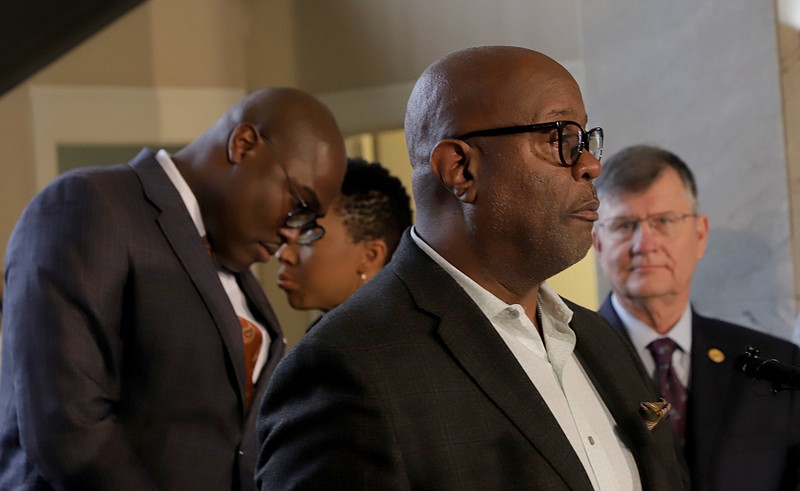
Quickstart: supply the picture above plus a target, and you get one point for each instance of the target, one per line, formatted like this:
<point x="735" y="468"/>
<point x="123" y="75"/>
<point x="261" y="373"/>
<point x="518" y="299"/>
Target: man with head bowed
<point x="135" y="338"/>
<point x="457" y="366"/>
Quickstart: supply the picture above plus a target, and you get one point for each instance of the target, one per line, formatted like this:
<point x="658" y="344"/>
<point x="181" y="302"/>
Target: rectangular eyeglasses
<point x="572" y="138"/>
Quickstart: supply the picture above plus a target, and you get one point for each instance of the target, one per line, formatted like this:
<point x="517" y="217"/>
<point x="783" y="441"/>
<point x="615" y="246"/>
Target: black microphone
<point x="780" y="375"/>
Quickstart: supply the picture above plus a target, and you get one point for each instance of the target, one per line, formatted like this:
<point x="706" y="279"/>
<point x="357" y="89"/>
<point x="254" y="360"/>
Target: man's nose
<point x="645" y="238"/>
<point x="587" y="167"/>
<point x="289" y="234"/>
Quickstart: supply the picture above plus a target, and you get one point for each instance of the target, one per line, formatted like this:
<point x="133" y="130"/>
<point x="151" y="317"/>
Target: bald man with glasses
<point x="648" y="240"/>
<point x="457" y="366"/>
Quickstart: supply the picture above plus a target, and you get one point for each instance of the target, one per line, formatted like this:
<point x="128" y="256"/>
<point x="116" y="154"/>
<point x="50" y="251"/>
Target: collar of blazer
<point x="180" y="231"/>
<point x="477" y="347"/>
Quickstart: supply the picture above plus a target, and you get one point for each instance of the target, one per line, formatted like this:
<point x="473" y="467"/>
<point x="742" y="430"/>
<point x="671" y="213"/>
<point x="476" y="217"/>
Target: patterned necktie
<point x="251" y="337"/>
<point x="671" y="387"/>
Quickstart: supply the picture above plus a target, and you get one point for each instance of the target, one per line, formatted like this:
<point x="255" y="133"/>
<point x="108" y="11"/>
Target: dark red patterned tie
<point x="252" y="339"/>
<point x="671" y="387"/>
<point x="251" y="336"/>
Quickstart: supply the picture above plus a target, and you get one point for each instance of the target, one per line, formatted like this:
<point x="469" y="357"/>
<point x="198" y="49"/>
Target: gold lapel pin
<point x="716" y="355"/>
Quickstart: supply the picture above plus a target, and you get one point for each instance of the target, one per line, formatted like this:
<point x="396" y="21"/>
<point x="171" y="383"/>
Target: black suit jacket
<point x="736" y="439"/>
<point x="408" y="386"/>
<point x="123" y="363"/>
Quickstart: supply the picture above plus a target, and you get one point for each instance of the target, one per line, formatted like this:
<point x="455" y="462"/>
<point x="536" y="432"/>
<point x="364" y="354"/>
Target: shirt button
<point x="591" y="441"/>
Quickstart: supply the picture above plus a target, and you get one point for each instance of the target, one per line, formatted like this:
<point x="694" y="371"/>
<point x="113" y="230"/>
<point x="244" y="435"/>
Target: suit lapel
<point x="609" y="314"/>
<point x="181" y="233"/>
<point x="618" y="379"/>
<point x="611" y="375"/>
<point x="710" y="404"/>
<point x="480" y="351"/>
<point x="618" y="399"/>
<point x="604" y="368"/>
<point x="262" y="310"/>
<point x="707" y="381"/>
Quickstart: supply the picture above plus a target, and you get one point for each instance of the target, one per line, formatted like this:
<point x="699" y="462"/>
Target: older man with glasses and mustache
<point x="649" y="239"/>
<point x="456" y="366"/>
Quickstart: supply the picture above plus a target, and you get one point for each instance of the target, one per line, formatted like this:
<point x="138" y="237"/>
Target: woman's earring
<point x="363" y="277"/>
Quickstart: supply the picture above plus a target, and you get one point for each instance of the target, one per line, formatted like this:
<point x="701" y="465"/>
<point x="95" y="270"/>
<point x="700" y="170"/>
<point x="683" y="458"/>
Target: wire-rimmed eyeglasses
<point x="303" y="217"/>
<point x="572" y="138"/>
<point x="664" y="224"/>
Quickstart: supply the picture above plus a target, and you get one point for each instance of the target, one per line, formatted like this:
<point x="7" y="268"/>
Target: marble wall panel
<point x="701" y="78"/>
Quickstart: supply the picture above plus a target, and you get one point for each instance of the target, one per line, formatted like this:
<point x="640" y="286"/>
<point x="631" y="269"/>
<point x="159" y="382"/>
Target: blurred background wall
<point x="715" y="81"/>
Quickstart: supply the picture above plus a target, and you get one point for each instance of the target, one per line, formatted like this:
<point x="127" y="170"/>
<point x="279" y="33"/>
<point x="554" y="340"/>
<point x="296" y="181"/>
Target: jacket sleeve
<point x="323" y="422"/>
<point x="66" y="277"/>
<point x="791" y="478"/>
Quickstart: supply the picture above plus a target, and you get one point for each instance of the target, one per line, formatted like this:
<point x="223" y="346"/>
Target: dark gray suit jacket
<point x="408" y="386"/>
<point x="123" y="363"/>
<point x="736" y="439"/>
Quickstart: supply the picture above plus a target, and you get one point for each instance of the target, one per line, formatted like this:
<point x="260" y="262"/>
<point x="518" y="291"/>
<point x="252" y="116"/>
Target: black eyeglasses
<point x="572" y="138"/>
<point x="303" y="217"/>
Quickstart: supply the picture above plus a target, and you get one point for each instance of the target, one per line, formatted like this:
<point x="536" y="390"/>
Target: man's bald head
<point x="468" y="189"/>
<point x="473" y="86"/>
<point x="281" y="113"/>
<point x="275" y="150"/>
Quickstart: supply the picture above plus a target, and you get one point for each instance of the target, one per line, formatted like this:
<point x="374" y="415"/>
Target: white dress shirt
<point x="558" y="376"/>
<point x="641" y="335"/>
<point x="232" y="289"/>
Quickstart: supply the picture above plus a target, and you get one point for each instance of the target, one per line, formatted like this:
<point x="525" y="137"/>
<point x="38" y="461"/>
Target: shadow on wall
<point x="743" y="260"/>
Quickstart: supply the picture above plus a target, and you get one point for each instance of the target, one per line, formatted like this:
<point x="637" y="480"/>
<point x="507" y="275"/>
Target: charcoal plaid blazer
<point x="735" y="438"/>
<point x="408" y="386"/>
<point x="122" y="362"/>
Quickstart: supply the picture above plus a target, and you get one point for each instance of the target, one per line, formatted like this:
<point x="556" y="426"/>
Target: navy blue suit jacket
<point x="123" y="364"/>
<point x="736" y="439"/>
<point x="407" y="385"/>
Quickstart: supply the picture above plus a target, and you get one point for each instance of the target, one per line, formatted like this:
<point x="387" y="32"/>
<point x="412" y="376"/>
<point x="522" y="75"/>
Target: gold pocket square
<point x="653" y="413"/>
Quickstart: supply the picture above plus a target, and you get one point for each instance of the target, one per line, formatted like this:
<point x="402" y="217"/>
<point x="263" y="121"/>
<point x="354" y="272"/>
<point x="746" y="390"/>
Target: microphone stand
<point x="780" y="375"/>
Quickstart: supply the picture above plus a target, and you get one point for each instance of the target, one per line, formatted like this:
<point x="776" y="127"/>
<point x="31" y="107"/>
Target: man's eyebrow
<point x="651" y="215"/>
<point x="560" y="112"/>
<point x="564" y="113"/>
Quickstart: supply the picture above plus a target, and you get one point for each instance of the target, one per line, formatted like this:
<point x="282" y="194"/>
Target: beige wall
<point x="18" y="183"/>
<point x="270" y="48"/>
<point x="121" y="55"/>
<point x="167" y="69"/>
<point x="394" y="40"/>
<point x="159" y="73"/>
<point x="176" y="43"/>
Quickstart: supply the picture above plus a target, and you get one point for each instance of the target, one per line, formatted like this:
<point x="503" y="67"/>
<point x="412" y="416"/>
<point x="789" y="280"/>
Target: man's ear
<point x="373" y="256"/>
<point x="452" y="162"/>
<point x="701" y="229"/>
<point x="596" y="241"/>
<point x="241" y="141"/>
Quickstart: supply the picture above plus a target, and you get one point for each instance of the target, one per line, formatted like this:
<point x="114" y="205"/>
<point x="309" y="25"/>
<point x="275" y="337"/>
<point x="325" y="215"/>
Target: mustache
<point x="588" y="200"/>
